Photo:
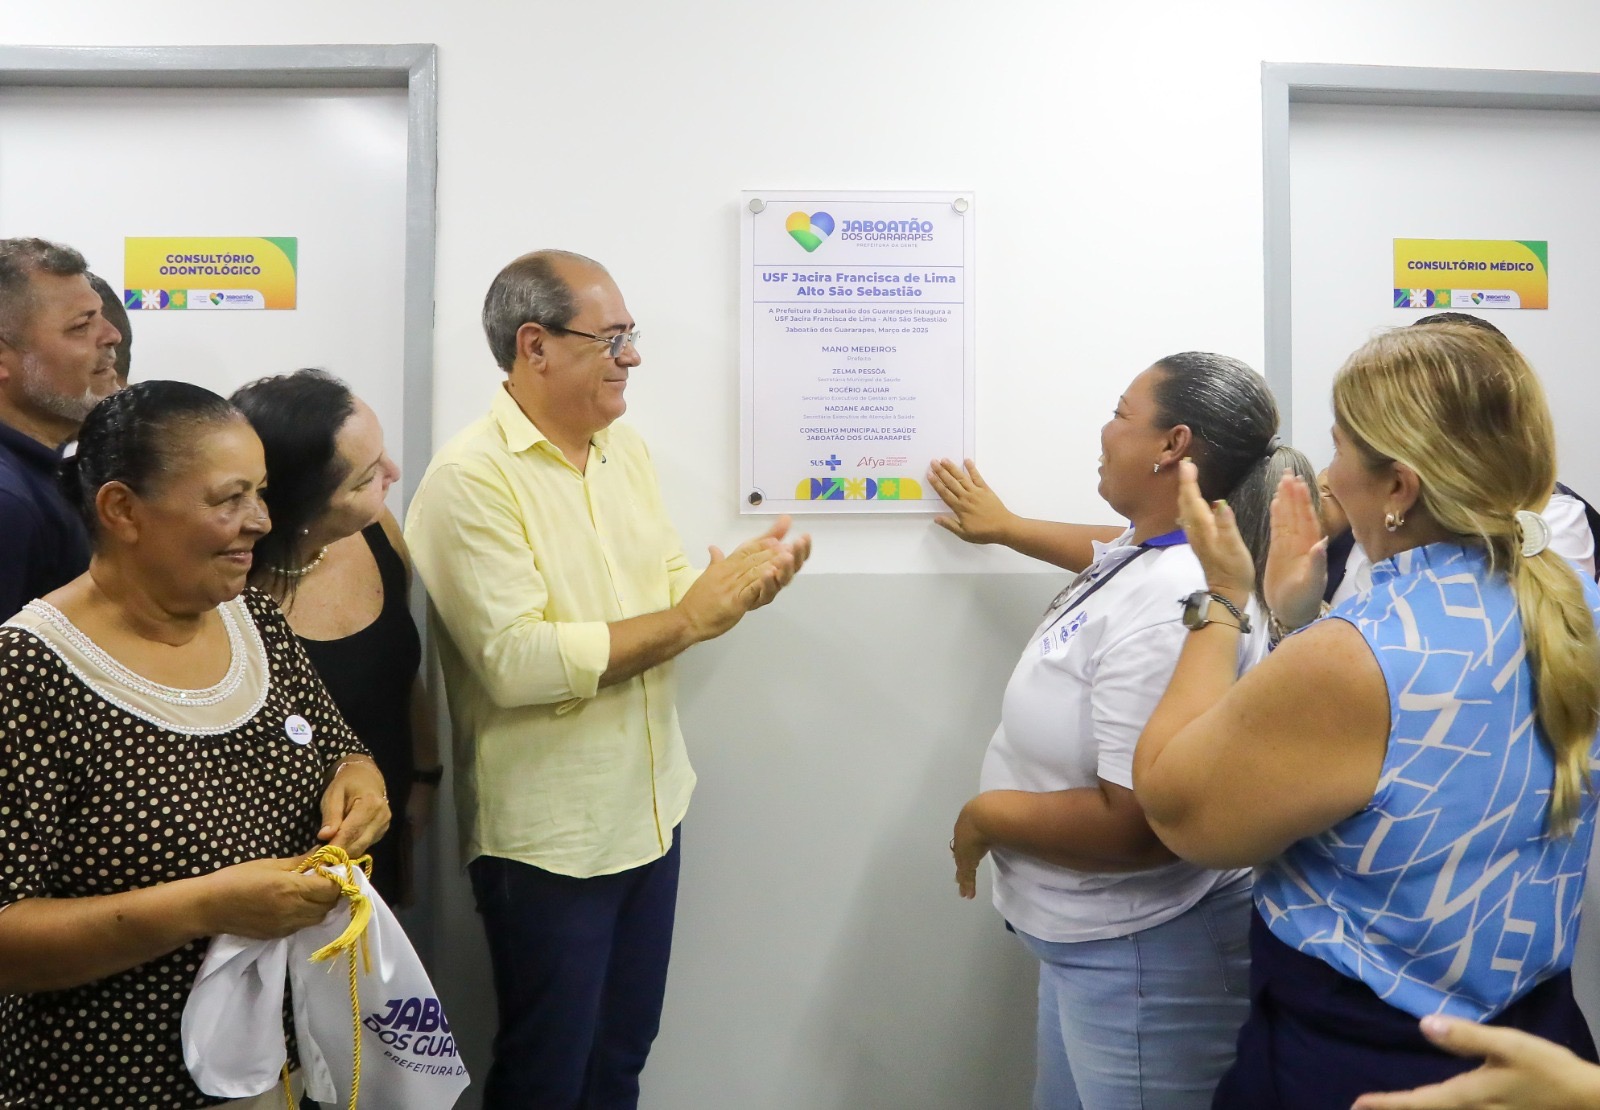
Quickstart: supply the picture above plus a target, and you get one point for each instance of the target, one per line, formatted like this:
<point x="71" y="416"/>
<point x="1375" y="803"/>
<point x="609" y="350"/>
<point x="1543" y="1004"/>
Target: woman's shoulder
<point x="19" y="635"/>
<point x="1149" y="593"/>
<point x="388" y="543"/>
<point x="263" y="611"/>
<point x="1171" y="573"/>
<point x="260" y="605"/>
<point x="27" y="657"/>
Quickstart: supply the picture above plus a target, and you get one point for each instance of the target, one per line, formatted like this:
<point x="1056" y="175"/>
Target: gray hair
<point x="1251" y="502"/>
<point x="528" y="291"/>
<point x="20" y="259"/>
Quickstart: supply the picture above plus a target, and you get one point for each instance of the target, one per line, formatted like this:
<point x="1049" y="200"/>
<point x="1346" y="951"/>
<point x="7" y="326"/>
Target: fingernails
<point x="1434" y="1025"/>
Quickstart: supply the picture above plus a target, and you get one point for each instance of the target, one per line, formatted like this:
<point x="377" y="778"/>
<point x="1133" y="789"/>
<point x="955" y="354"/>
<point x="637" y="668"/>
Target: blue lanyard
<point x="1166" y="539"/>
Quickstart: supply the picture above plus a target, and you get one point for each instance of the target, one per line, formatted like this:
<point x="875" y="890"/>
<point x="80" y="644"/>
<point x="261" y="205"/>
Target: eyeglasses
<point x="615" y="344"/>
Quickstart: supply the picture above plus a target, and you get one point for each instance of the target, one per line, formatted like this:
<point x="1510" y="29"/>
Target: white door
<point x="88" y="167"/>
<point x="1362" y="176"/>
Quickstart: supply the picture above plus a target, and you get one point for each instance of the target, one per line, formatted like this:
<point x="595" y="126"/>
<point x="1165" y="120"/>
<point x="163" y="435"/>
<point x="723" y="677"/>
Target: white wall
<point x="1114" y="149"/>
<point x="823" y="960"/>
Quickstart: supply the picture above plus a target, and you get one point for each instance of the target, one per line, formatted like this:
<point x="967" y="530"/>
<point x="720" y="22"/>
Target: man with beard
<point x="57" y="360"/>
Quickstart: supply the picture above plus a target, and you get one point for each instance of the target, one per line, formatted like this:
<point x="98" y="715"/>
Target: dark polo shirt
<point x="43" y="543"/>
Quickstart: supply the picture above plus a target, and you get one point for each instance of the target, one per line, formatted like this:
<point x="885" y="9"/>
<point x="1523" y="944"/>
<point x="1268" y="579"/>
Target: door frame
<point x="1287" y="84"/>
<point x="412" y="67"/>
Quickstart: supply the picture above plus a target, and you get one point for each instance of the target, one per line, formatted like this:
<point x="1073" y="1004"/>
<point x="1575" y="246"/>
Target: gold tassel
<point x="330" y="862"/>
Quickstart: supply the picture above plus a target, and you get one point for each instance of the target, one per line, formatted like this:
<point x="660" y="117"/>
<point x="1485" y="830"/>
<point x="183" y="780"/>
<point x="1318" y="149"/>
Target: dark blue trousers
<point x="1317" y="1039"/>
<point x="580" y="971"/>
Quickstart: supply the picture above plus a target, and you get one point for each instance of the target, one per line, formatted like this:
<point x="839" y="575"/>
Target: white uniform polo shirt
<point x="1087" y="682"/>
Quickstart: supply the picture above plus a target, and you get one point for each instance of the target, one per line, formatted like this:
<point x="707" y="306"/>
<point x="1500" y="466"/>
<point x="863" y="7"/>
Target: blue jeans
<point x="1147" y="1021"/>
<point x="580" y="972"/>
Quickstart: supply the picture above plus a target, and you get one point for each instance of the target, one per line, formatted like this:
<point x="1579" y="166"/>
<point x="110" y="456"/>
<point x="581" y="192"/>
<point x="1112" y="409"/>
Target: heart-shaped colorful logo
<point x="809" y="231"/>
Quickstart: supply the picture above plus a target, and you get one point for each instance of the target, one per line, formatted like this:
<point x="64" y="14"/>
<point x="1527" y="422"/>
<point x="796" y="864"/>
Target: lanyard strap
<point x="1166" y="539"/>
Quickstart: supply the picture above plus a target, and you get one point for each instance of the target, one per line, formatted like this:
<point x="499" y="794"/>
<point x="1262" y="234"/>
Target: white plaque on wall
<point x="856" y="341"/>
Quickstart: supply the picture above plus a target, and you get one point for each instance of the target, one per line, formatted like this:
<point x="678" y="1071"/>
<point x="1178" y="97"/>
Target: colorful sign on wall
<point x="209" y="272"/>
<point x="1471" y="273"/>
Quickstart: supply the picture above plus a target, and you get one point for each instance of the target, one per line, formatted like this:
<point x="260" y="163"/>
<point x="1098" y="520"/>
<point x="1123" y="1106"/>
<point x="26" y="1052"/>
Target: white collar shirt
<point x="1087" y="682"/>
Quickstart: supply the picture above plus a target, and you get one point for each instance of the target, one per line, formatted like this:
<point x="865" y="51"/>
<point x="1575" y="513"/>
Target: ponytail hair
<point x="1251" y="502"/>
<point x="1232" y="419"/>
<point x="1463" y="409"/>
<point x="1558" y="629"/>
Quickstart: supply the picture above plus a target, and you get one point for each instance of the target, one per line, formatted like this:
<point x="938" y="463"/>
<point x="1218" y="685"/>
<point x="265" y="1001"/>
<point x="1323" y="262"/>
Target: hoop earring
<point x="1393" y="522"/>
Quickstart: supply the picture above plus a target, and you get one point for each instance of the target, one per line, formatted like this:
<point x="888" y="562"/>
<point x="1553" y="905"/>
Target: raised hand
<point x="979" y="515"/>
<point x="1214" y="537"/>
<point x="799" y="550"/>
<point x="1297" y="561"/>
<point x="734" y="584"/>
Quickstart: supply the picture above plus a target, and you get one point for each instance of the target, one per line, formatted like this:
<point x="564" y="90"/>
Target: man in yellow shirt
<point x="560" y="594"/>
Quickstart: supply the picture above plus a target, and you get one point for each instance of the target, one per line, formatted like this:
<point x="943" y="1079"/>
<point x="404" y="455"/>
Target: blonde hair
<point x="1463" y="409"/>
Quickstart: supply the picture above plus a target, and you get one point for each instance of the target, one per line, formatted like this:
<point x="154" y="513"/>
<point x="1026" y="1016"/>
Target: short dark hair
<point x="1466" y="318"/>
<point x="298" y="417"/>
<point x="139" y="436"/>
<point x="20" y="259"/>
<point x="529" y="290"/>
<point x="112" y="309"/>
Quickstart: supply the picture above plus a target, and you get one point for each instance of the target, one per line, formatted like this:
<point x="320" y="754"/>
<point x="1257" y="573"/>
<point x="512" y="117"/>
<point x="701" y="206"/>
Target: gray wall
<point x="823" y="959"/>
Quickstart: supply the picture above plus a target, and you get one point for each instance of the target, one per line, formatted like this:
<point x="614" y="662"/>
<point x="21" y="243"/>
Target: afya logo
<point x="418" y="1029"/>
<point x="809" y="231"/>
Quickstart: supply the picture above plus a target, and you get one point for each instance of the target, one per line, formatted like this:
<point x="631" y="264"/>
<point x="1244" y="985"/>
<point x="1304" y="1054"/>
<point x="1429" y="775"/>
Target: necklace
<point x="307" y="569"/>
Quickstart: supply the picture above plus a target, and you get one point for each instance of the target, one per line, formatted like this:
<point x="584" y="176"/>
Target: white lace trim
<point x="241" y="644"/>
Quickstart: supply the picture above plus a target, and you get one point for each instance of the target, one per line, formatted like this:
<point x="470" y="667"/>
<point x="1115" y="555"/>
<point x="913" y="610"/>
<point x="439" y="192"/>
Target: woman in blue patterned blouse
<point x="1410" y="774"/>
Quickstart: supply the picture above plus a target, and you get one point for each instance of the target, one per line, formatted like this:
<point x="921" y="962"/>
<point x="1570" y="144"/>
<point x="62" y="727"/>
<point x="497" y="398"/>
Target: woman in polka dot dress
<point x="166" y="755"/>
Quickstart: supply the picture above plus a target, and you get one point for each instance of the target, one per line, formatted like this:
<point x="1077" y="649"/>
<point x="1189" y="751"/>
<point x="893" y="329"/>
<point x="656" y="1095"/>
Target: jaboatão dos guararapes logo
<point x="809" y="231"/>
<point x="416" y="1034"/>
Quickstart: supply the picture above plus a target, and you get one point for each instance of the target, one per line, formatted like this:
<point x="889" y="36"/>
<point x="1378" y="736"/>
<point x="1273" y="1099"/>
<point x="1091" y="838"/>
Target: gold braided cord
<point x="332" y="863"/>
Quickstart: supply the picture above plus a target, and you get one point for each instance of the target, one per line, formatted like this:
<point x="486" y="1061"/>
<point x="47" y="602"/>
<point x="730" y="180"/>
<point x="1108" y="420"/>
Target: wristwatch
<point x="1197" y="612"/>
<point x="428" y="778"/>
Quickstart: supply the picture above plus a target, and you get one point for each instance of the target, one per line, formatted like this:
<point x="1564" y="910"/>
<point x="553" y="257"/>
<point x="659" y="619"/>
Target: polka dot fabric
<point x="95" y="800"/>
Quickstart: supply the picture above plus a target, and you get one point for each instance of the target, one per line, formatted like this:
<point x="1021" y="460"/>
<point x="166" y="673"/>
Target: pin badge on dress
<point x="298" y="729"/>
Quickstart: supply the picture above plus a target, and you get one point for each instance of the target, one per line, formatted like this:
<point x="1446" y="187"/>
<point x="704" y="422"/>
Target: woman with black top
<point x="337" y="565"/>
